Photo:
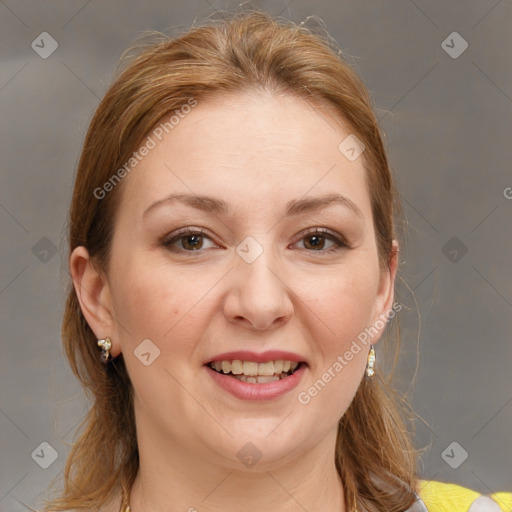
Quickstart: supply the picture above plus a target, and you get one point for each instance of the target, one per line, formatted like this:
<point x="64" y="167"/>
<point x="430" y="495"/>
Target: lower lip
<point x="255" y="391"/>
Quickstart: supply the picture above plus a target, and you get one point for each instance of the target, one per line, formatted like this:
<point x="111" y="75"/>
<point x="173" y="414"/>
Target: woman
<point x="233" y="257"/>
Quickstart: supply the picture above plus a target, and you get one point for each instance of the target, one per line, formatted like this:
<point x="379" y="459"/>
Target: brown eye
<point x="187" y="240"/>
<point x="315" y="241"/>
<point x="192" y="242"/>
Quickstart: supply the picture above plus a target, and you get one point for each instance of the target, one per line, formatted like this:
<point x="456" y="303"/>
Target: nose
<point x="258" y="295"/>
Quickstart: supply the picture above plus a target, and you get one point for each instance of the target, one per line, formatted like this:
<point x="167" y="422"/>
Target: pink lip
<point x="250" y="391"/>
<point x="264" y="357"/>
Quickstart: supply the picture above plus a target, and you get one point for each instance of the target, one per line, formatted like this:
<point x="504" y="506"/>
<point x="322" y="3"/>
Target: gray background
<point x="448" y="126"/>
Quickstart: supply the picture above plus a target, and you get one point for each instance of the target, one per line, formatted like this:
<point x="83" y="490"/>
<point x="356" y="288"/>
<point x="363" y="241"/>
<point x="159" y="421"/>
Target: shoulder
<point x="442" y="497"/>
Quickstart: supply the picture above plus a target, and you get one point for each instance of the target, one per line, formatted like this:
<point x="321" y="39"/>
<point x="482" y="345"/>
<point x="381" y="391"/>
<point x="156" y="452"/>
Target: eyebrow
<point x="294" y="207"/>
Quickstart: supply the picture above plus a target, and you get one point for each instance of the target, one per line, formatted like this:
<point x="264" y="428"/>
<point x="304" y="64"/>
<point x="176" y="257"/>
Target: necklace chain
<point x="126" y="508"/>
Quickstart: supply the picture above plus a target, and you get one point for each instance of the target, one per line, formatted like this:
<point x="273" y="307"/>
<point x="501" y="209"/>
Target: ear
<point x="93" y="292"/>
<point x="383" y="304"/>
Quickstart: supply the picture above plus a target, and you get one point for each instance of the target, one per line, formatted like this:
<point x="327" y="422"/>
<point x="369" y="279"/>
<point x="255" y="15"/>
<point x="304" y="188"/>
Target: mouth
<point x="256" y="373"/>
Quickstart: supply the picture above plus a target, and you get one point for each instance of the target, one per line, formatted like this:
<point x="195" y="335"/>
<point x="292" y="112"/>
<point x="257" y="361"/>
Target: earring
<point x="106" y="345"/>
<point x="370" y="371"/>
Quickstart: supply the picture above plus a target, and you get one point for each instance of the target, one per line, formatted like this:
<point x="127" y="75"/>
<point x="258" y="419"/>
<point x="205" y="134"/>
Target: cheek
<point x="343" y="304"/>
<point x="163" y="306"/>
<point x="168" y="305"/>
<point x="342" y="312"/>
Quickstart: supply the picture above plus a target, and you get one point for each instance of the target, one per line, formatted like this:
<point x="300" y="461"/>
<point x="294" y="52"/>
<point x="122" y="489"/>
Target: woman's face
<point x="232" y="270"/>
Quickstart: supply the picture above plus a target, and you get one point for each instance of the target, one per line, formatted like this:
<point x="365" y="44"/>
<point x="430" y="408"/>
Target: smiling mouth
<point x="256" y="373"/>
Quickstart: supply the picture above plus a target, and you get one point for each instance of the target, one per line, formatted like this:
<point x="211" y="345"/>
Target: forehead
<point x="254" y="148"/>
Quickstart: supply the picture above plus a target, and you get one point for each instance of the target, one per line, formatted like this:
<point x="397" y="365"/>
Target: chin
<point x="264" y="445"/>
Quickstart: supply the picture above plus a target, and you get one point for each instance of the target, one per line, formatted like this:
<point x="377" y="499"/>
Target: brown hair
<point x="244" y="51"/>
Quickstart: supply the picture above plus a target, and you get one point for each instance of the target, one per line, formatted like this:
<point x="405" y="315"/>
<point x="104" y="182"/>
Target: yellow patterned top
<point x="441" y="497"/>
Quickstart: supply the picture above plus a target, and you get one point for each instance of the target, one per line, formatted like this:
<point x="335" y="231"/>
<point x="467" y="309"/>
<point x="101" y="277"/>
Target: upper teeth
<point x="251" y="368"/>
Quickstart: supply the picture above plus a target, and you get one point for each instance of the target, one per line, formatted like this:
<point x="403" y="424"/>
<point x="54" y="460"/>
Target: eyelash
<point x="323" y="232"/>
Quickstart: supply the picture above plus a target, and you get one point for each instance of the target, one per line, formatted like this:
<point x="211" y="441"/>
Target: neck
<point x="186" y="481"/>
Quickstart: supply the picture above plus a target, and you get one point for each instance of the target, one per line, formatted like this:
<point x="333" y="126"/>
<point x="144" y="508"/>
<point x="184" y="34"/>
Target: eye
<point x="187" y="240"/>
<point x="193" y="240"/>
<point x="315" y="241"/>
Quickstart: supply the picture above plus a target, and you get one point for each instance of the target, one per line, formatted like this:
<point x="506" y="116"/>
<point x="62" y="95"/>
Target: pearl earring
<point x="106" y="345"/>
<point x="370" y="370"/>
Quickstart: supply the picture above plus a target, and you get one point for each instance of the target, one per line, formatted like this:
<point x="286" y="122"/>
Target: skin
<point x="256" y="152"/>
